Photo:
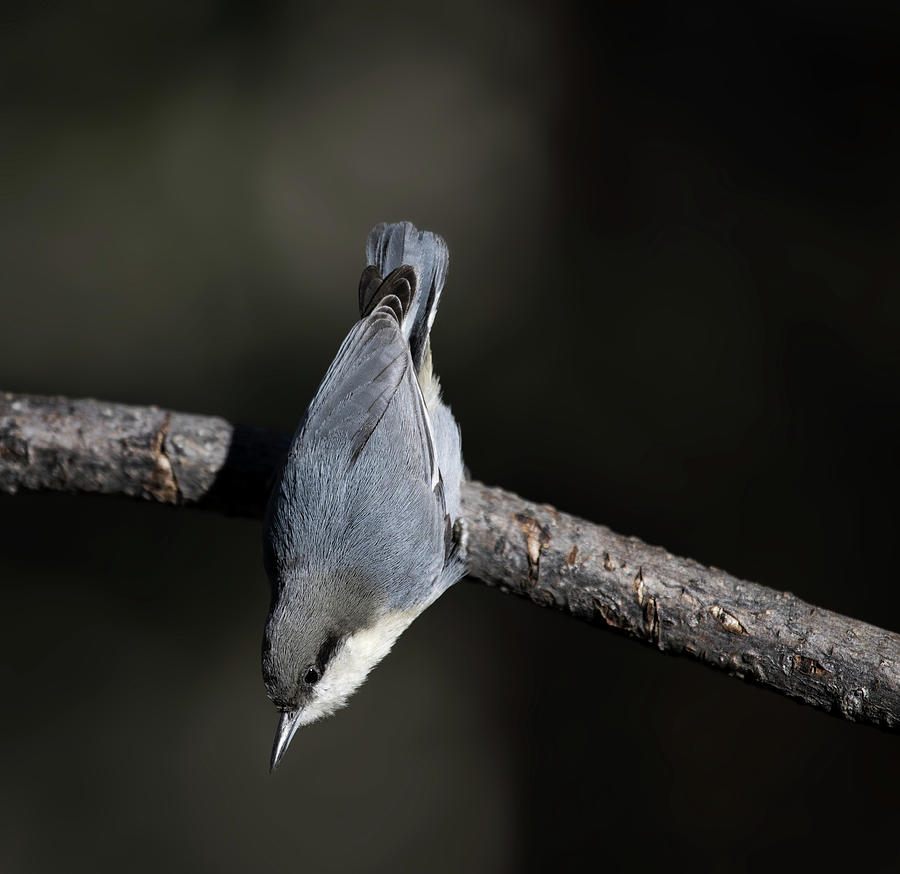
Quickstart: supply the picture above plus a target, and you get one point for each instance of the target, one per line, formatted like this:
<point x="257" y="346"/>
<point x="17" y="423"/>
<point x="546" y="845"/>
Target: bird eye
<point x="311" y="676"/>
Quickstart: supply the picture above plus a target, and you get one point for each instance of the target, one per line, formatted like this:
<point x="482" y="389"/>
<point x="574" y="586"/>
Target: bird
<point x="363" y="529"/>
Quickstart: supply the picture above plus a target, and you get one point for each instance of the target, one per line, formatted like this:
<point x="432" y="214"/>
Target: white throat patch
<point x="349" y="666"/>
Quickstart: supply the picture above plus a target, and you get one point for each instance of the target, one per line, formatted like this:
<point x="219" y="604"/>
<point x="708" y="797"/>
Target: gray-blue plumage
<point x="360" y="533"/>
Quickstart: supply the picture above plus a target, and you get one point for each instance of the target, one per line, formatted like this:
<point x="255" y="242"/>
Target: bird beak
<point x="290" y="722"/>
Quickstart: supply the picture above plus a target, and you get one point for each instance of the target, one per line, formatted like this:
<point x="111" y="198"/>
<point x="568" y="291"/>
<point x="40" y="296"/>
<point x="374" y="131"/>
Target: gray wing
<point x="360" y="488"/>
<point x="371" y="367"/>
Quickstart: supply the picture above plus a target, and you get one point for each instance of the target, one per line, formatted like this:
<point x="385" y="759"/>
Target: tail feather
<point x="373" y="290"/>
<point x="391" y="246"/>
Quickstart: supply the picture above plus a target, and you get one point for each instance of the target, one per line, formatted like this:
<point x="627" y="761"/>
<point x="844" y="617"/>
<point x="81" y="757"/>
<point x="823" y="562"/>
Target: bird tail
<point x="398" y="254"/>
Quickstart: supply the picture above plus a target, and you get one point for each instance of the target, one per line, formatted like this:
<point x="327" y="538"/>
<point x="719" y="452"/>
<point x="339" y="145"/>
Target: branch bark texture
<point x="773" y="638"/>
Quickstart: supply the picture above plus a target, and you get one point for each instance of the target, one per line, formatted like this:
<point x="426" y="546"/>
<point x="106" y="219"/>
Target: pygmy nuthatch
<point x="360" y="533"/>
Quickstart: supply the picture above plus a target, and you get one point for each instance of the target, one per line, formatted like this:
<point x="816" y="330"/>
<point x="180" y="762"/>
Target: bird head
<point x="319" y="645"/>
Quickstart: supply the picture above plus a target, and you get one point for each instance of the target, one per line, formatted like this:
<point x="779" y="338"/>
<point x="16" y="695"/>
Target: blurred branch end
<point x="772" y="638"/>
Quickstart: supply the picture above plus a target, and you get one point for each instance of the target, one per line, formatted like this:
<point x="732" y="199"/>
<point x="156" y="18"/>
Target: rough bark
<point x="833" y="662"/>
<point x="144" y="452"/>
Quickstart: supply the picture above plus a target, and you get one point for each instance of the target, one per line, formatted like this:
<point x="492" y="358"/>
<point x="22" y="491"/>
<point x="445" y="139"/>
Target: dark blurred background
<point x="672" y="309"/>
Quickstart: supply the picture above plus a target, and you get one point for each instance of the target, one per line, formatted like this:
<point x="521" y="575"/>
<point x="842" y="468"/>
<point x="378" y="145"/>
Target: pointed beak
<point x="287" y="727"/>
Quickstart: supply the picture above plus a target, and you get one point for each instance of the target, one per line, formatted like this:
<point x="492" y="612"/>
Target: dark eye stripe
<point x="328" y="647"/>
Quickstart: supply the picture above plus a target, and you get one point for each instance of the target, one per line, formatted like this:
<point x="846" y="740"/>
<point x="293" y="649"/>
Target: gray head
<point x="322" y="638"/>
<point x="311" y="615"/>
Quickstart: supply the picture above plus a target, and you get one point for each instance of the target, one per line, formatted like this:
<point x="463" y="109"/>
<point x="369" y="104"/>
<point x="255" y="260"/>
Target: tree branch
<point x="835" y="663"/>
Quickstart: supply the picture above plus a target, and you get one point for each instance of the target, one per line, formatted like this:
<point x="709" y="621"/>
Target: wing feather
<point x="372" y="366"/>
